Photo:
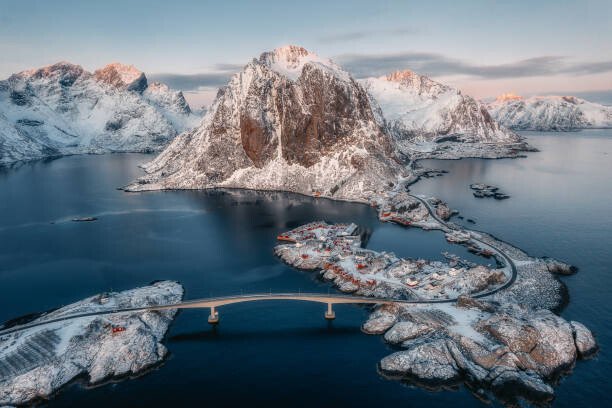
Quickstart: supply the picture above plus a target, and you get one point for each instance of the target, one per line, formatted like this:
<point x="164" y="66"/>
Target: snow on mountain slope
<point x="63" y="109"/>
<point x="550" y="113"/>
<point x="289" y="120"/>
<point x="417" y="109"/>
<point x="124" y="77"/>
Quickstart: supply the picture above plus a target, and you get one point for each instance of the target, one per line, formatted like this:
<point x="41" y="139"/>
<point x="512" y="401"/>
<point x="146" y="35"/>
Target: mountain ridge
<point x="550" y="113"/>
<point x="63" y="109"/>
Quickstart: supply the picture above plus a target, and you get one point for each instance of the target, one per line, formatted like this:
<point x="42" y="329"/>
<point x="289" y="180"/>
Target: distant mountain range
<point x="549" y="113"/>
<point x="418" y="109"/>
<point x="63" y="109"/>
<point x="290" y="120"/>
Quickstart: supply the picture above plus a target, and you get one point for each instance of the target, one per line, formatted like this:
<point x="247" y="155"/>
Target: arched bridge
<point x="214" y="303"/>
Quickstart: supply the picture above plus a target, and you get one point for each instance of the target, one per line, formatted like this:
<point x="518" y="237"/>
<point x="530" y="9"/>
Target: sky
<point x="485" y="48"/>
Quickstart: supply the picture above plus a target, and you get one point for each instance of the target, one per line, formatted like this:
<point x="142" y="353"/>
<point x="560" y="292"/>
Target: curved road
<point x="212" y="303"/>
<point x="498" y="251"/>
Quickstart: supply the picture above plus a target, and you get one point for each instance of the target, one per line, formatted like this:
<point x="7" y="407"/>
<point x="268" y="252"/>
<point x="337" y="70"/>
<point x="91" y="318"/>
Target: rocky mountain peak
<point x="162" y="95"/>
<point x="508" y="97"/>
<point x="291" y="59"/>
<point x="402" y="76"/>
<point x="571" y="99"/>
<point x="62" y="109"/>
<point x="121" y="76"/>
<point x="291" y="54"/>
<point x="64" y="72"/>
<point x="419" y="83"/>
<point x="290" y="120"/>
<point x="417" y="109"/>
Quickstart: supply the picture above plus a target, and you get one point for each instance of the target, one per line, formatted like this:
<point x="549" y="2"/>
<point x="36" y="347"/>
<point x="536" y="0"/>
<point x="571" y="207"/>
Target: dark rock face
<point x="19" y="98"/>
<point x="559" y="268"/>
<point x="334" y="110"/>
<point x="313" y="114"/>
<point x="257" y="140"/>
<point x="30" y="122"/>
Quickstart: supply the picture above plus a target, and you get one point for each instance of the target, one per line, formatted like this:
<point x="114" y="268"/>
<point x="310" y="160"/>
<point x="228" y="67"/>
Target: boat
<point x="84" y="219"/>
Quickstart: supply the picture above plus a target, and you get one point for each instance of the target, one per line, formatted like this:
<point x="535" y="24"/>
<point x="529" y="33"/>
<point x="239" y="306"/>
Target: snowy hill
<point x="420" y="111"/>
<point x="291" y="121"/>
<point x="549" y="113"/>
<point x="63" y="109"/>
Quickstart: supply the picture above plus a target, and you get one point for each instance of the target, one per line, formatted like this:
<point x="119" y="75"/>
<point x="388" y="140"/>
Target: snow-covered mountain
<point x="63" y="109"/>
<point x="418" y="110"/>
<point x="291" y="121"/>
<point x="549" y="113"/>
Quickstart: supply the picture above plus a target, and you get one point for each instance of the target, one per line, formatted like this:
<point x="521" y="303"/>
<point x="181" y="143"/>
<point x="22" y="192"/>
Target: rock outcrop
<point x="62" y="109"/>
<point x="585" y="342"/>
<point x="504" y="348"/>
<point x="289" y="120"/>
<point x="549" y="113"/>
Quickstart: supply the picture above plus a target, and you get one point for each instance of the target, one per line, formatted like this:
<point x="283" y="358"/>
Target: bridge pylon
<point x="214" y="316"/>
<point x="329" y="314"/>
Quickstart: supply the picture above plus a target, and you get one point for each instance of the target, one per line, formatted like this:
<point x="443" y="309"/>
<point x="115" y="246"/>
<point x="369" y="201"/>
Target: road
<point x="502" y="254"/>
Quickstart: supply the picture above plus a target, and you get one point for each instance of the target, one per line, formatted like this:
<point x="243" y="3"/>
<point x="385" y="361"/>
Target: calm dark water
<point x="218" y="243"/>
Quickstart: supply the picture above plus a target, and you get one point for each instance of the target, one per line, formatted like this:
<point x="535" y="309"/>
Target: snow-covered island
<point x="37" y="361"/>
<point x="492" y="328"/>
<point x="549" y="113"/>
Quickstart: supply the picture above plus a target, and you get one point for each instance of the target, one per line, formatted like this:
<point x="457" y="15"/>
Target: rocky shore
<point x="490" y="329"/>
<point x="37" y="361"/>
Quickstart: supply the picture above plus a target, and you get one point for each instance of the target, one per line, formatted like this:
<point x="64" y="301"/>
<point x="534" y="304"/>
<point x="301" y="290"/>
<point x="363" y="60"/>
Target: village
<point x="336" y="251"/>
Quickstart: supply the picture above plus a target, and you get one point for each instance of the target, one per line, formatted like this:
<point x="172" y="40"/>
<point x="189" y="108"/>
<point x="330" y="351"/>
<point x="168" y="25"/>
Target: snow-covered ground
<point x="37" y="361"/>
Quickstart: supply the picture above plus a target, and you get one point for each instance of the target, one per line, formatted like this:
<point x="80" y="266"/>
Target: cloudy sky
<point x="483" y="47"/>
